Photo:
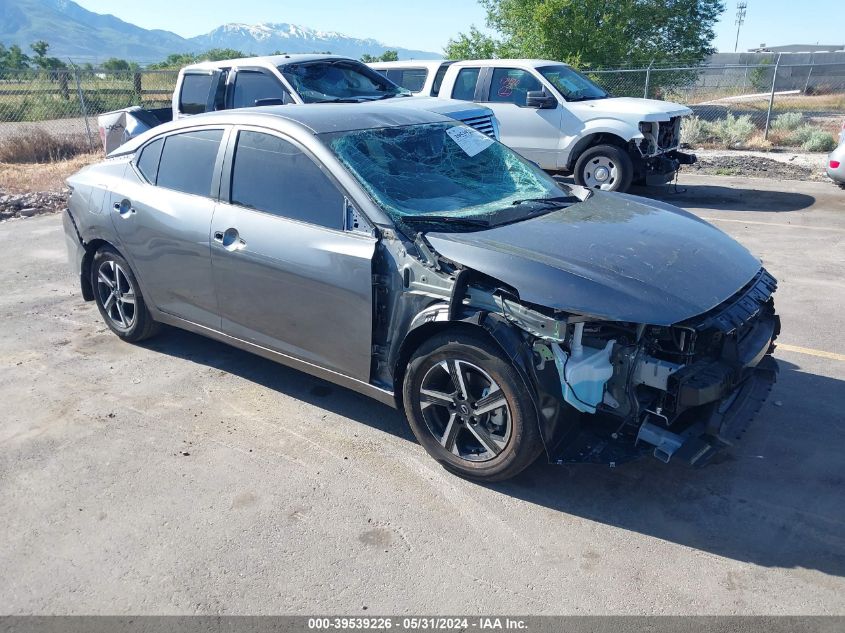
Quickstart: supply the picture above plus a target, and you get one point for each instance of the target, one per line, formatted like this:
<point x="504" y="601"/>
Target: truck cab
<point x="298" y="79"/>
<point x="562" y="121"/>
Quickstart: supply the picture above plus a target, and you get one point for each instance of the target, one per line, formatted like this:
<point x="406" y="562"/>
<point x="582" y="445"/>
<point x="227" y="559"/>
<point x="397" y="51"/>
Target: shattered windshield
<point x="445" y="174"/>
<point x="339" y="80"/>
<point x="571" y="84"/>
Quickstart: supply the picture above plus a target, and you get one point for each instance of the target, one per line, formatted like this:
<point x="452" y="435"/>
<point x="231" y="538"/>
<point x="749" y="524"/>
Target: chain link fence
<point x="754" y="105"/>
<point x="64" y="104"/>
<point x="745" y="105"/>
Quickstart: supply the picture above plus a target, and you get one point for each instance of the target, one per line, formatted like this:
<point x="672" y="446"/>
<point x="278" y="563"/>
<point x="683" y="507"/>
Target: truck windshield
<point x="571" y="84"/>
<point x="338" y="80"/>
<point x="445" y="174"/>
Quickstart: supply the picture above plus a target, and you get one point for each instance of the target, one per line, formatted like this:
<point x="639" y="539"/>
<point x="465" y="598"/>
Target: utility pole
<point x="741" y="8"/>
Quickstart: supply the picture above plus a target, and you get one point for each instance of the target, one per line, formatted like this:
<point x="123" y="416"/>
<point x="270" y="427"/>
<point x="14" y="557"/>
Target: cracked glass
<point x="416" y="171"/>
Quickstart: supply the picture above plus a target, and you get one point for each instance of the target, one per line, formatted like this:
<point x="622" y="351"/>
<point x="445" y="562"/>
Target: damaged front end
<point x="608" y="391"/>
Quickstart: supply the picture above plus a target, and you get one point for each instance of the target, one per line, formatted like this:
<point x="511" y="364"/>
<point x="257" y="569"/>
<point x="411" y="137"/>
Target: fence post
<point x="647" y="79"/>
<point x="63" y="87"/>
<point x="136" y="84"/>
<point x="771" y="98"/>
<point x="82" y="106"/>
<point x="809" y="72"/>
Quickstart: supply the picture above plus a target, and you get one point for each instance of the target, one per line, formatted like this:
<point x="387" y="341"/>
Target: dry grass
<point x="35" y="145"/>
<point x="26" y="177"/>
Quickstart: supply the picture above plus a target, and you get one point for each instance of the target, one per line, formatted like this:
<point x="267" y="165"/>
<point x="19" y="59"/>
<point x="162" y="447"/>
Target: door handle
<point x="230" y="239"/>
<point x="124" y="208"/>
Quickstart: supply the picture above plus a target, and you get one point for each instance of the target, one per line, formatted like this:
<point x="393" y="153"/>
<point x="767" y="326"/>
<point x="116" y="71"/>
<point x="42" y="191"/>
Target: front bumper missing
<point x="662" y="169"/>
<point x="720" y="425"/>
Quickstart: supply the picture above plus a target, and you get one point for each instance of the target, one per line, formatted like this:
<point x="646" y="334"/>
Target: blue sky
<point x="428" y="25"/>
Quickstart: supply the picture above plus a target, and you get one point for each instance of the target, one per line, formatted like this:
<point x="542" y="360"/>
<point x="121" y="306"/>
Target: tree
<point x="474" y="45"/>
<point x="178" y="60"/>
<point x="13" y="58"/>
<point x="598" y="33"/>
<point x="41" y="60"/>
<point x="386" y="56"/>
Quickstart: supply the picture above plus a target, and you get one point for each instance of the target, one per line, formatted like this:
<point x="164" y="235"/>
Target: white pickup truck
<point x="281" y="80"/>
<point x="559" y="119"/>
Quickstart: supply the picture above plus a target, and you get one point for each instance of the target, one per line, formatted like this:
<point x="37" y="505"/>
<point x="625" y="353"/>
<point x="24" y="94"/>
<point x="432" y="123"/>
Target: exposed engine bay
<point x="606" y="391"/>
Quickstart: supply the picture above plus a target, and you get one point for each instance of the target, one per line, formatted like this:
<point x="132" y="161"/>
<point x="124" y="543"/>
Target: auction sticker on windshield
<point x="469" y="140"/>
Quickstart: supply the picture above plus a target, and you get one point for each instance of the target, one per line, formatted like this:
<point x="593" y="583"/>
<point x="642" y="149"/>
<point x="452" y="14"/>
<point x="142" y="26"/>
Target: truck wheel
<point x="469" y="409"/>
<point x="604" y="167"/>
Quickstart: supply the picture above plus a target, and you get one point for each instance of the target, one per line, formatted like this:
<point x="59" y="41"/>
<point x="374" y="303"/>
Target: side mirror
<point x="540" y="100"/>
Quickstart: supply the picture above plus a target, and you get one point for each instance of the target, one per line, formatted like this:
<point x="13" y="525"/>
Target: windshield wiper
<point x="340" y="100"/>
<point x="559" y="201"/>
<point x="445" y="219"/>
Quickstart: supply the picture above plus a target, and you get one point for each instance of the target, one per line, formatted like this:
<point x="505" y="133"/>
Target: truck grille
<point x="483" y="124"/>
<point x="669" y="133"/>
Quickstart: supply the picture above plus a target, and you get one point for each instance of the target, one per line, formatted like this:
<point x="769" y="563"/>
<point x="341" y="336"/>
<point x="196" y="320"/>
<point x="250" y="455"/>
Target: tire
<point x="118" y="297"/>
<point x="605" y="167"/>
<point x="482" y="445"/>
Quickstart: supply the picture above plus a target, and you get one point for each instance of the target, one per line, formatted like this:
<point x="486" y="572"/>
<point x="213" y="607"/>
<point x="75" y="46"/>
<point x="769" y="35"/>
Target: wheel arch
<point x="494" y="328"/>
<point x="91" y="249"/>
<point x="595" y="138"/>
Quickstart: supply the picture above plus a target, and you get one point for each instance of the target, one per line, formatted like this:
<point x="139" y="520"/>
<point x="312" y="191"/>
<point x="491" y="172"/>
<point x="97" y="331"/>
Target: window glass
<point x="411" y="78"/>
<point x="273" y="175"/>
<point x="250" y="86"/>
<point x="194" y="96"/>
<point x="438" y="80"/>
<point x="147" y="162"/>
<point x="220" y="91"/>
<point x="510" y="85"/>
<point x="572" y="85"/>
<point x="465" y="84"/>
<point x="338" y="80"/>
<point x="187" y="161"/>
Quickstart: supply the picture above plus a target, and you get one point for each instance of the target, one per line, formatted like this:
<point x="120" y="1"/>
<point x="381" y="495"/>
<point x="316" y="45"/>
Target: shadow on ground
<point x="722" y="198"/>
<point x="775" y="500"/>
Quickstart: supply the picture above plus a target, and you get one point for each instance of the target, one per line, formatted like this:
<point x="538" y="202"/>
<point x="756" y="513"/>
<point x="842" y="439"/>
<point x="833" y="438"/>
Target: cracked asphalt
<point x="183" y="476"/>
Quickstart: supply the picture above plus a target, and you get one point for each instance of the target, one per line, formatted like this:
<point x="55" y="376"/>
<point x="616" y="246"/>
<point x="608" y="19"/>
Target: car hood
<point x="451" y="108"/>
<point x="612" y="256"/>
<point x="628" y="107"/>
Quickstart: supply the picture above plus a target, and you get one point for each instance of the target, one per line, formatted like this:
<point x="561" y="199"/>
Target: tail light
<point x="834" y="164"/>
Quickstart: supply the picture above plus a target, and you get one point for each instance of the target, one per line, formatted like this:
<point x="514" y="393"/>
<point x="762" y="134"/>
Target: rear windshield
<point x="336" y="80"/>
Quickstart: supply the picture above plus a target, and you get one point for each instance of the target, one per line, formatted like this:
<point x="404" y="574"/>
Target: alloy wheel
<point x="465" y="410"/>
<point x="116" y="294"/>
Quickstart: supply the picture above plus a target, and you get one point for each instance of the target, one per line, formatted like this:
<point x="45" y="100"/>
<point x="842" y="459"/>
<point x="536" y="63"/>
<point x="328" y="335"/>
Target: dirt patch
<point x="32" y="177"/>
<point x="753" y="167"/>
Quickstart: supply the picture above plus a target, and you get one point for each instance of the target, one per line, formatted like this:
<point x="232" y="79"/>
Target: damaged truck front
<point x="636" y="327"/>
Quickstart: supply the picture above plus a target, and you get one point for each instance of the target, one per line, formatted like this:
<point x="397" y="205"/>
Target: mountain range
<point x="84" y="36"/>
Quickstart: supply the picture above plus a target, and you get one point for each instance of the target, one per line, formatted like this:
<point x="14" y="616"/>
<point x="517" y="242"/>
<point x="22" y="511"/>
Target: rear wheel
<point x="605" y="167"/>
<point x="469" y="409"/>
<point x="119" y="298"/>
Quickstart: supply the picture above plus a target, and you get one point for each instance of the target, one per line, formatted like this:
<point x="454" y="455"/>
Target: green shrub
<point x="695" y="130"/>
<point x="801" y="135"/>
<point x="788" y="121"/>
<point x="732" y="131"/>
<point x="819" y="141"/>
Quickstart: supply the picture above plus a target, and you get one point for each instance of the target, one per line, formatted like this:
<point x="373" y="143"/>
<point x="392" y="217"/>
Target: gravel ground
<point x="751" y="164"/>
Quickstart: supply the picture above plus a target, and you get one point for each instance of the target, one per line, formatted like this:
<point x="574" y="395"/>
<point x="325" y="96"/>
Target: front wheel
<point x="469" y="409"/>
<point x="605" y="167"/>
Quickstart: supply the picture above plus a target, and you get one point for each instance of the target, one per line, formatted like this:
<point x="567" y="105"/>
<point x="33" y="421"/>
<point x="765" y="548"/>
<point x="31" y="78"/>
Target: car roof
<point x="411" y="63"/>
<point x="264" y="61"/>
<point x="531" y="63"/>
<point x="305" y="118"/>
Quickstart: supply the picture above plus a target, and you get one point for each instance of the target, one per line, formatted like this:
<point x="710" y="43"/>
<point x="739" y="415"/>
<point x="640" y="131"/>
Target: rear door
<point x="289" y="276"/>
<point x="162" y="215"/>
